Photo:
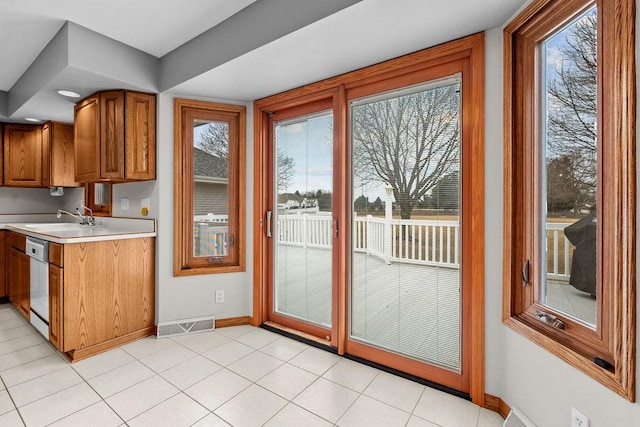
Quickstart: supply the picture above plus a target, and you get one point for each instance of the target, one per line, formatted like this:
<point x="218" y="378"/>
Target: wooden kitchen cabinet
<point x="55" y="293"/>
<point x="3" y="264"/>
<point x="115" y="137"/>
<point x="22" y="155"/>
<point x="1" y="153"/>
<point x="57" y="153"/>
<point x="39" y="156"/>
<point x="101" y="294"/>
<point x="18" y="274"/>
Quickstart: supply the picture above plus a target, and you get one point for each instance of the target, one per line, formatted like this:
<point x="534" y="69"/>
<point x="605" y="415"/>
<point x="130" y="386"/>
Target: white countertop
<point x="48" y="227"/>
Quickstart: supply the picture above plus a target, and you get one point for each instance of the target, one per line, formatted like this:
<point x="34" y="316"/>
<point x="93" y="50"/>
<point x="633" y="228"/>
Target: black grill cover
<point x="582" y="234"/>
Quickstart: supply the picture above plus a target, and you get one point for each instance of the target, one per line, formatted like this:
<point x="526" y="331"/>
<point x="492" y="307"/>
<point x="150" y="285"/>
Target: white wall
<point x="494" y="358"/>
<point x="194" y="296"/>
<point x="523" y="374"/>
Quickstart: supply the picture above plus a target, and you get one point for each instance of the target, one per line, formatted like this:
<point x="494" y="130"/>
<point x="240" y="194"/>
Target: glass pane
<point x="303" y="218"/>
<point x="102" y="194"/>
<point x="210" y="189"/>
<point x="570" y="170"/>
<point x="406" y="245"/>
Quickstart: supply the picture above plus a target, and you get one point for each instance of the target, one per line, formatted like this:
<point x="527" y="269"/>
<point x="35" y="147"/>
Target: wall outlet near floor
<point x="578" y="419"/>
<point x="219" y="296"/>
<point x="124" y="204"/>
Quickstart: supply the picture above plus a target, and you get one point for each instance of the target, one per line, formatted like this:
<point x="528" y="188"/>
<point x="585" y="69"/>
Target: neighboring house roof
<point x="284" y="198"/>
<point x="206" y="165"/>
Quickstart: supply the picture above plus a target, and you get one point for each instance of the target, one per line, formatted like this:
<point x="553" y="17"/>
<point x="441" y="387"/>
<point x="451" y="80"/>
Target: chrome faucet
<point x="84" y="219"/>
<point x="62" y="211"/>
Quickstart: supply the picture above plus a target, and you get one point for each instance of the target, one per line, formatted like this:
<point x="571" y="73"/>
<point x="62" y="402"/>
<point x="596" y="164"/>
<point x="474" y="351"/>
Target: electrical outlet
<point x="578" y="419"/>
<point x="219" y="296"/>
<point x="124" y="204"/>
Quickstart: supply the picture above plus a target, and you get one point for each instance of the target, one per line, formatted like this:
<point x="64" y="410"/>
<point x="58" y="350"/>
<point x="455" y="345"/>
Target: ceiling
<point x="226" y="49"/>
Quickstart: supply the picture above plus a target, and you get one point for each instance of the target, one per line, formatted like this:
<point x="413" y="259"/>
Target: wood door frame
<point x="469" y="49"/>
<point x="326" y="103"/>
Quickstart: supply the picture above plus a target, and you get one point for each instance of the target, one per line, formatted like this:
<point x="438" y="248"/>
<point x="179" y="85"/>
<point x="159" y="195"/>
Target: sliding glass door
<point x="370" y="200"/>
<point x="302" y="221"/>
<point x="405" y="294"/>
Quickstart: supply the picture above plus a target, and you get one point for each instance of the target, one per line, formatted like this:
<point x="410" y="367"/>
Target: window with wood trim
<point x="569" y="260"/>
<point x="97" y="197"/>
<point x="209" y="165"/>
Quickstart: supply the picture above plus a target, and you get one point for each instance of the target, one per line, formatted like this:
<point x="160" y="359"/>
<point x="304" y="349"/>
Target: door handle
<point x="525" y="274"/>
<point x="269" y="216"/>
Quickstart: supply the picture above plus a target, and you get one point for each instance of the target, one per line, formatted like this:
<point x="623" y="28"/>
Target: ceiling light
<point x="31" y="119"/>
<point x="69" y="94"/>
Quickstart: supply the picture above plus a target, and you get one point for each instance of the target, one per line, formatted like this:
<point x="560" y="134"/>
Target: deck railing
<point x="424" y="242"/>
<point x="210" y="234"/>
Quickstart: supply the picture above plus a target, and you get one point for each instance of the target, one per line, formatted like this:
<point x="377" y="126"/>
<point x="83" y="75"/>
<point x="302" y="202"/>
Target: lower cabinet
<point x="101" y="294"/>
<point x="3" y="264"/>
<point x="55" y="306"/>
<point x="18" y="274"/>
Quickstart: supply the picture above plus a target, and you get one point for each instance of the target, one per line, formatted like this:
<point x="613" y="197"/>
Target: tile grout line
<point x="12" y="401"/>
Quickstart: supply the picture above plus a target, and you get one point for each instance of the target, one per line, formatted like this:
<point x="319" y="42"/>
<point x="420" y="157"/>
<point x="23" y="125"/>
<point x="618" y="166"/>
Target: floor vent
<point x="186" y="326"/>
<point x="517" y="419"/>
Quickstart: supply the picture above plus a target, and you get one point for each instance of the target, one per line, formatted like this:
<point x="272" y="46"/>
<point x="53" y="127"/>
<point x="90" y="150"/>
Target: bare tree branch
<point x="408" y="142"/>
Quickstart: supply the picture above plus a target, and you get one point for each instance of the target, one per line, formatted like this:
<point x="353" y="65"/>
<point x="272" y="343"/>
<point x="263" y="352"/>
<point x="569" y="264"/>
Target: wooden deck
<point x="409" y="309"/>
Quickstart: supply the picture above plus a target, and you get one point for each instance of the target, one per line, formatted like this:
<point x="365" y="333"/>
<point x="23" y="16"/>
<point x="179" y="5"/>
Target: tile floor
<point x="238" y="376"/>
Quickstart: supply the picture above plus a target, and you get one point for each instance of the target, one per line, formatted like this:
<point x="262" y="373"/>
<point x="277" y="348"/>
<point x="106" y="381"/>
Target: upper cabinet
<point x="38" y="156"/>
<point x="23" y="155"/>
<point x="1" y="154"/>
<point x="115" y="137"/>
<point x="58" y="168"/>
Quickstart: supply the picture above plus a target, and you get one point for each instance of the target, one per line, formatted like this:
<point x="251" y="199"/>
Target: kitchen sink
<point x="59" y="226"/>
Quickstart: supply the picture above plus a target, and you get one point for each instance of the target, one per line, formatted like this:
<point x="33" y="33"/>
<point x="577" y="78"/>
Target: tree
<point x="361" y="204"/>
<point x="566" y="187"/>
<point x="408" y="142"/>
<point x="446" y="193"/>
<point x="572" y="102"/>
<point x="214" y="139"/>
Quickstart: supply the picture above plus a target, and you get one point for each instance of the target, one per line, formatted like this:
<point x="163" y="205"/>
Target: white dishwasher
<point x="38" y="250"/>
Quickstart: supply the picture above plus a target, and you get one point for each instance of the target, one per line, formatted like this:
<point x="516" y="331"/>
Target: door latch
<point x="551" y="320"/>
<point x="525" y="274"/>
<point x="269" y="217"/>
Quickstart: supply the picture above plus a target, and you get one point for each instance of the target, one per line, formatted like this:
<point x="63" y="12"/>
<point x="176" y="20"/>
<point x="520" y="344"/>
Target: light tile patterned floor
<point x="239" y="376"/>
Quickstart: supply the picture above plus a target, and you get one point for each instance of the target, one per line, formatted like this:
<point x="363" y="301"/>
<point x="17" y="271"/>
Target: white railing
<point x="561" y="251"/>
<point x="210" y="233"/>
<point x="424" y="242"/>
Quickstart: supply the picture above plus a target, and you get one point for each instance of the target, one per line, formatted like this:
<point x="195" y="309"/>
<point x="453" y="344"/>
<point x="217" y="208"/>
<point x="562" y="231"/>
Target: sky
<point x="309" y="144"/>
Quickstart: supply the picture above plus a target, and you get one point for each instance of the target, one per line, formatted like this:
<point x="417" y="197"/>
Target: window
<point x="97" y="197"/>
<point x="569" y="262"/>
<point x="209" y="187"/>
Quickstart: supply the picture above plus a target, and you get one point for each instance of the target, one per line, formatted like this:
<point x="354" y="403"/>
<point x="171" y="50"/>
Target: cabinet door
<point x="19" y="281"/>
<point x="112" y="135"/>
<point x="1" y="154"/>
<point x="46" y="154"/>
<point x="13" y="265"/>
<point x="59" y="138"/>
<point x="3" y="264"/>
<point x="22" y="155"/>
<point x="55" y="306"/>
<point x="87" y="140"/>
<point x="140" y="112"/>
